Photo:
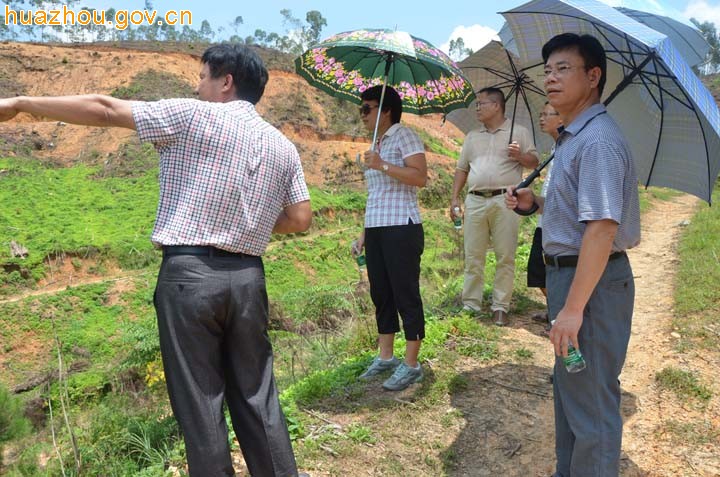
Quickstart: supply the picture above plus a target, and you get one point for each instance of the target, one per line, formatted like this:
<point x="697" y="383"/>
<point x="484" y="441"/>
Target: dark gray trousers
<point x="588" y="423"/>
<point x="212" y="318"/>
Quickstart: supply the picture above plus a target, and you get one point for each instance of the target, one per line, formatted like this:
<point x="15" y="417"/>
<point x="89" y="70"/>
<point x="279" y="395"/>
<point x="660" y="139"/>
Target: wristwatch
<point x="385" y="167"/>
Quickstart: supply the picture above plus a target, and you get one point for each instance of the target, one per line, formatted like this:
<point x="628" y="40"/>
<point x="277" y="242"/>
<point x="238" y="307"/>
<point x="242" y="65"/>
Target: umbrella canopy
<point x="348" y="63"/>
<point x="688" y="40"/>
<point x="669" y="118"/>
<point x="494" y="66"/>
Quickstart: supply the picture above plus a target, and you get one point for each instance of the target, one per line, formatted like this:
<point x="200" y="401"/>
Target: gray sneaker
<point x="403" y="377"/>
<point x="379" y="366"/>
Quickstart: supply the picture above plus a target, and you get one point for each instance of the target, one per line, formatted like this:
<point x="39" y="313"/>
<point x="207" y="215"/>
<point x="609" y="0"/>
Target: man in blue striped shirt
<point x="591" y="215"/>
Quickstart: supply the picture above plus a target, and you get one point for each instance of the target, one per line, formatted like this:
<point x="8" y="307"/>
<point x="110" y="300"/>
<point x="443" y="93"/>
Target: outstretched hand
<point x="7" y="109"/>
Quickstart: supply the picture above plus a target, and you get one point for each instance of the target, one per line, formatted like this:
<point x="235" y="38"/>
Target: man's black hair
<point x="391" y="102"/>
<point x="495" y="94"/>
<point x="587" y="46"/>
<point x="245" y="66"/>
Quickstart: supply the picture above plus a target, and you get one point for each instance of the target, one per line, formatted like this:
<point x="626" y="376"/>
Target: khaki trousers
<point x="486" y="220"/>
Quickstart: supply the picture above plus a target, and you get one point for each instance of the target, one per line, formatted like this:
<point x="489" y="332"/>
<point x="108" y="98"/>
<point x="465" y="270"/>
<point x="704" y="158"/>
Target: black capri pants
<point x="393" y="264"/>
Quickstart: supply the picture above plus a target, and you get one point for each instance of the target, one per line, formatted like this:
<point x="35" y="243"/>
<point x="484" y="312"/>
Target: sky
<point x="437" y="22"/>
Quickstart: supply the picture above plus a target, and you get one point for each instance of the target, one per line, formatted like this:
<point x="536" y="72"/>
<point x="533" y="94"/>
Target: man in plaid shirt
<point x="227" y="181"/>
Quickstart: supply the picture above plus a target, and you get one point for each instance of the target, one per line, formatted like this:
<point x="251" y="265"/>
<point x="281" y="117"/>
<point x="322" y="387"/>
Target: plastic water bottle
<point x="457" y="220"/>
<point x="574" y="362"/>
<point x="360" y="259"/>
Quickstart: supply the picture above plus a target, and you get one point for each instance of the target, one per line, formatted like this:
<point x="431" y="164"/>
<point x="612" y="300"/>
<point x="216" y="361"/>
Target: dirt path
<point x="652" y="349"/>
<point x="499" y="419"/>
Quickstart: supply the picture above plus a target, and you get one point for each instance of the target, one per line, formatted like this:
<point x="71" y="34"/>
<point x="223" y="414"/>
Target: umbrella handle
<point x="526" y="183"/>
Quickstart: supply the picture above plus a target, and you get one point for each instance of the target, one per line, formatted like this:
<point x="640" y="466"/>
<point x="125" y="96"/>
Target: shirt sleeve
<point x="297" y="190"/>
<point x="601" y="177"/>
<point x="527" y="146"/>
<point x="463" y="163"/>
<point x="162" y="122"/>
<point x="410" y="144"/>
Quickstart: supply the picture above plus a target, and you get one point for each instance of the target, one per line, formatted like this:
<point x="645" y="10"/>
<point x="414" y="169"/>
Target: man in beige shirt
<point x="491" y="161"/>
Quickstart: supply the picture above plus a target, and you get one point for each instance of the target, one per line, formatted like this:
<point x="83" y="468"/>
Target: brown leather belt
<point x="572" y="260"/>
<point x="487" y="193"/>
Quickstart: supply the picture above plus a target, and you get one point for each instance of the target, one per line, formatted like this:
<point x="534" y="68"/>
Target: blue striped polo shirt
<point x="593" y="178"/>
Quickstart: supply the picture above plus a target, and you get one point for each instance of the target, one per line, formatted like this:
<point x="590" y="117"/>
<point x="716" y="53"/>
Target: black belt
<point x="487" y="193"/>
<point x="572" y="260"/>
<point x="204" y="251"/>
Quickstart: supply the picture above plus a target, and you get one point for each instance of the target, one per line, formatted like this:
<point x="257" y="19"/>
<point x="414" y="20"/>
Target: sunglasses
<point x="366" y="108"/>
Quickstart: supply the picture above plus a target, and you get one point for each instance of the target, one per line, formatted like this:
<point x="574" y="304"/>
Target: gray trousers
<point x="588" y="423"/>
<point x="212" y="319"/>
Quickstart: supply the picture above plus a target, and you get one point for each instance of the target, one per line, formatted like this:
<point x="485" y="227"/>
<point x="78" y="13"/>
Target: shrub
<point x="12" y="422"/>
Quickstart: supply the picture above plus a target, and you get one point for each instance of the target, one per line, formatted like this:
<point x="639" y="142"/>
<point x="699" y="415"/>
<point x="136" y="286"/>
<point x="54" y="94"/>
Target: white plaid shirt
<point x="225" y="173"/>
<point x="390" y="202"/>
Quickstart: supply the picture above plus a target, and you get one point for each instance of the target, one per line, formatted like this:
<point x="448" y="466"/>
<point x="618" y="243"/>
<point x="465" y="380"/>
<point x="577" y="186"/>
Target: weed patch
<point x="684" y="384"/>
<point x="152" y="85"/>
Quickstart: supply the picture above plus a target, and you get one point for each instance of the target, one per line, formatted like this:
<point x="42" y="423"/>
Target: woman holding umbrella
<point x="393" y="236"/>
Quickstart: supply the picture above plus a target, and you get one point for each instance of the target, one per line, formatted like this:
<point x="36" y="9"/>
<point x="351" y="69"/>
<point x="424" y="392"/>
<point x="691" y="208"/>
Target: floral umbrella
<point x="348" y="63"/>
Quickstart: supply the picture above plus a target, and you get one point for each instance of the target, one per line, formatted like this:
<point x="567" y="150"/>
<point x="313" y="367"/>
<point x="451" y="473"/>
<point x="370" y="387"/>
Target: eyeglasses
<point x="366" y="108"/>
<point x="559" y="71"/>
<point x="547" y="115"/>
<point x="480" y="104"/>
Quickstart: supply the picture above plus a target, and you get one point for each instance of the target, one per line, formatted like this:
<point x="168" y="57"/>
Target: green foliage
<point x="683" y="383"/>
<point x="437" y="193"/>
<point x="360" y="434"/>
<point x="434" y="145"/>
<point x="152" y="85"/>
<point x="12" y="422"/>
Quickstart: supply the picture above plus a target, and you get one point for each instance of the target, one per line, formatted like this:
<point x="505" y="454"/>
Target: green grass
<point x="436" y="146"/>
<point x="697" y="293"/>
<point x="66" y="211"/>
<point x="685" y="384"/>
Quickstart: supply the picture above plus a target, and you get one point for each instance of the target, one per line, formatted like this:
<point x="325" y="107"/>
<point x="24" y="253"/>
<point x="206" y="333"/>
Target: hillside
<point x="79" y="355"/>
<point x="325" y="131"/>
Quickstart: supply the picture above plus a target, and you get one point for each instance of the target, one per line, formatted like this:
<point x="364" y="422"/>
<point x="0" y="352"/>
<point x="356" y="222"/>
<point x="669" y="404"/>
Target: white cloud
<point x="703" y="12"/>
<point x="474" y="37"/>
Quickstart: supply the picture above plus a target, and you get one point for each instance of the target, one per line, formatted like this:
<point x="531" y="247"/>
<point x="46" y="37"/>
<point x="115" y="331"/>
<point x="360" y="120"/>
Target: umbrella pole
<point x="377" y="120"/>
<point x="388" y="63"/>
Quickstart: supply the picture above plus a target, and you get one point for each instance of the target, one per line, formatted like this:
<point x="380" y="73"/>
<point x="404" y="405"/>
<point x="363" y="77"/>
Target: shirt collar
<point x="505" y="126"/>
<point x="584" y="117"/>
<point x="392" y="130"/>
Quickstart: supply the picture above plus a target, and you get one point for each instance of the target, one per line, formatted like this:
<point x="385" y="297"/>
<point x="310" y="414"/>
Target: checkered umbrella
<point x="492" y="66"/>
<point x="688" y="40"/>
<point x="670" y="119"/>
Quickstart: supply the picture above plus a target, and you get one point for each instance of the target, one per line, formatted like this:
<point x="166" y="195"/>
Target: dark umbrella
<point x="493" y="66"/>
<point x="670" y="119"/>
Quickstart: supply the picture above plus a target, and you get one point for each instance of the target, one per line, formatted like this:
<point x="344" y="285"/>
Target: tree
<point x="206" y="31"/>
<point x="457" y="49"/>
<point x="316" y="22"/>
<point x="708" y="30"/>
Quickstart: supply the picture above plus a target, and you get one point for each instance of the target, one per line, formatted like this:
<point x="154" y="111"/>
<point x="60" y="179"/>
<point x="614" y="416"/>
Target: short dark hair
<point x="245" y="66"/>
<point x="587" y="46"/>
<point x="392" y="100"/>
<point x="496" y="95"/>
